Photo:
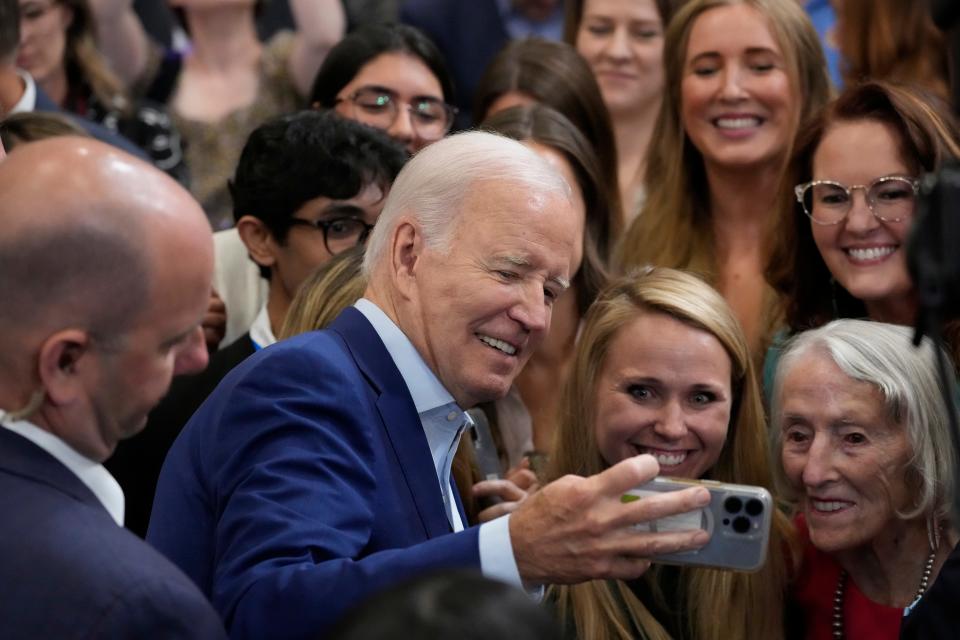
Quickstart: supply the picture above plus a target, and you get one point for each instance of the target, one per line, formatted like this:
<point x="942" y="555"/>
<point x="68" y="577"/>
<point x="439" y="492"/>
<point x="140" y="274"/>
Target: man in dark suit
<point x="308" y="186"/>
<point x="318" y="472"/>
<point x="105" y="270"/>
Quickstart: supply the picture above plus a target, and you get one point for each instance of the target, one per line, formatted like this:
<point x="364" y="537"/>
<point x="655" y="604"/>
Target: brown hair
<point x="553" y="74"/>
<point x="749" y="605"/>
<point x="84" y="63"/>
<point x="573" y="16"/>
<point x="892" y="40"/>
<point x="927" y="137"/>
<point x="30" y="126"/>
<point x="673" y="228"/>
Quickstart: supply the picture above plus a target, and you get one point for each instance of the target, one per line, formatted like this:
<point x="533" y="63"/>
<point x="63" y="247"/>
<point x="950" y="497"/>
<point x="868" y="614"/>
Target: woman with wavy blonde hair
<point x="741" y="77"/>
<point x="662" y="367"/>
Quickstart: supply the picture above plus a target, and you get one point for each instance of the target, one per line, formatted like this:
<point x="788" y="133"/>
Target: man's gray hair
<point x="432" y="186"/>
<point x="883" y="355"/>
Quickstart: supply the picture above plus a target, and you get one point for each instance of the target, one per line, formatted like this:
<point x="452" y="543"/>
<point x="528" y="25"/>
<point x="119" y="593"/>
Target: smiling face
<point x="865" y="255"/>
<point x="480" y="307"/>
<point x="407" y="78"/>
<point x="622" y="40"/>
<point x="664" y="389"/>
<point x="842" y="452"/>
<point x="738" y="105"/>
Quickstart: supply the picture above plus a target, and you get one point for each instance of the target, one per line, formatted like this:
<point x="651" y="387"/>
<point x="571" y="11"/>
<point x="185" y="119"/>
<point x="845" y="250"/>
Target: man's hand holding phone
<point x="577" y="529"/>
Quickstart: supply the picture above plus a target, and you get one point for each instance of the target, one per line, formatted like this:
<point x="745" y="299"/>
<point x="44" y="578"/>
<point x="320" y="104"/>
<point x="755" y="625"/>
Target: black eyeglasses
<point x="431" y="118"/>
<point x="339" y="234"/>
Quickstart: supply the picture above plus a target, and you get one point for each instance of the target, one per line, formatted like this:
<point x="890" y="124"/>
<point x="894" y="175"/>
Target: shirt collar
<point x="28" y="101"/>
<point x="424" y="386"/>
<point x="92" y="474"/>
<point x="261" y="334"/>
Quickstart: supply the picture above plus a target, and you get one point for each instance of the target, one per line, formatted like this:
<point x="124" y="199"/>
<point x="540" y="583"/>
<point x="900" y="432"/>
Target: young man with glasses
<point x="308" y="186"/>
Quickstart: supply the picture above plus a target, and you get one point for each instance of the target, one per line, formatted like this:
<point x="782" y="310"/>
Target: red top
<point x="815" y="588"/>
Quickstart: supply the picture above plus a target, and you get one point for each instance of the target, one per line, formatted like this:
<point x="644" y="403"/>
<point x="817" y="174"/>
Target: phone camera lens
<point x="741" y="524"/>
<point x="733" y="504"/>
<point x="754" y="507"/>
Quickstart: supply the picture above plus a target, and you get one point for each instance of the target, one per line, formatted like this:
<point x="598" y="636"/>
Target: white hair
<point x="883" y="355"/>
<point x="433" y="184"/>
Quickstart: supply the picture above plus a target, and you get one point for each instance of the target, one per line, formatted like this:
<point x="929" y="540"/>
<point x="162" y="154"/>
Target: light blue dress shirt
<point x="443" y="422"/>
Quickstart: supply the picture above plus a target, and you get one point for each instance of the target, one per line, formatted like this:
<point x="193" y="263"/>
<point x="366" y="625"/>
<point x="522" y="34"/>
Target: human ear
<point x="62" y="363"/>
<point x="406" y="247"/>
<point x="260" y="243"/>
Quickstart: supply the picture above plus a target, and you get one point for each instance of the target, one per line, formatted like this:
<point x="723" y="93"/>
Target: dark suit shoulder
<point x="69" y="570"/>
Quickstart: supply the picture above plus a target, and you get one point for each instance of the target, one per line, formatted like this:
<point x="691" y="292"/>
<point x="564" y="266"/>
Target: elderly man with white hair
<point x="319" y="471"/>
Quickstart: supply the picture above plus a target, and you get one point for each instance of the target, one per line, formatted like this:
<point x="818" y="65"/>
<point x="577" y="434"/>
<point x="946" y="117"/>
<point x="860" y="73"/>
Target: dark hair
<point x="574" y="16"/>
<point x="926" y="136"/>
<point x="452" y="605"/>
<point x="9" y="29"/>
<point x="85" y="65"/>
<point x="294" y="158"/>
<point x="553" y="74"/>
<point x="548" y="127"/>
<point x="366" y="43"/>
<point x="892" y="40"/>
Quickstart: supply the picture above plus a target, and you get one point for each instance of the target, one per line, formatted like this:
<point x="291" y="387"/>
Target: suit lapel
<point x="22" y="457"/>
<point x="399" y="417"/>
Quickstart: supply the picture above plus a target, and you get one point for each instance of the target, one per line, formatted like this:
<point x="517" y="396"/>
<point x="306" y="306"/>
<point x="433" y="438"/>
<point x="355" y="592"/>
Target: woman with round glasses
<point x="391" y="77"/>
<point x="841" y="251"/>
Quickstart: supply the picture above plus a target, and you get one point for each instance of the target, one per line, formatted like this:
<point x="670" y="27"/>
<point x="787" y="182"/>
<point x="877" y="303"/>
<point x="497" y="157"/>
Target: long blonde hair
<point x="750" y="605"/>
<point x="673" y="228"/>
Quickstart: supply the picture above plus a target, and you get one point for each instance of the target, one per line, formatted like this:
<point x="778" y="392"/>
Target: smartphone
<point x="738" y="520"/>
<point x="484" y="451"/>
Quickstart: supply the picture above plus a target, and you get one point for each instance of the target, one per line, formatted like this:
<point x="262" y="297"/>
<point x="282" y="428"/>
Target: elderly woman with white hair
<point x="864" y="445"/>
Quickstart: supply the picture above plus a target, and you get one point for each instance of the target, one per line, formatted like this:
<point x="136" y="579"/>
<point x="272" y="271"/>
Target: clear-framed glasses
<point x="431" y="118"/>
<point x="890" y="198"/>
<point x="339" y="234"/>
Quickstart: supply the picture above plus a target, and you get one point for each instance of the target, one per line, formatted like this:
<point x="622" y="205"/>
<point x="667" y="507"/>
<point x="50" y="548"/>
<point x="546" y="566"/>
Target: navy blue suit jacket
<point x="303" y="485"/>
<point x="68" y="571"/>
<point x="469" y="33"/>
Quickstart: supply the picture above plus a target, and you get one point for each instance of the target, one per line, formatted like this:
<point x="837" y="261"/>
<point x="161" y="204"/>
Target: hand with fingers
<point x="577" y="529"/>
<point x="507" y="493"/>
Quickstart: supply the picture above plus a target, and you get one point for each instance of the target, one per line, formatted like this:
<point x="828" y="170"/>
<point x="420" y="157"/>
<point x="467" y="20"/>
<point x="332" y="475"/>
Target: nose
<point x="531" y="310"/>
<point x="192" y="356"/>
<point x="818" y="467"/>
<point x="402" y="128"/>
<point x="670" y="424"/>
<point x="618" y="45"/>
<point x="731" y="89"/>
<point x="860" y="218"/>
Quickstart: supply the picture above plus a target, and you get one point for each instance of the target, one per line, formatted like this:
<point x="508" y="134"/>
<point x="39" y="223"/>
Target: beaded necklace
<point x="842" y="585"/>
